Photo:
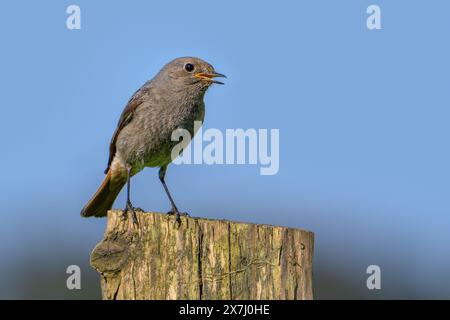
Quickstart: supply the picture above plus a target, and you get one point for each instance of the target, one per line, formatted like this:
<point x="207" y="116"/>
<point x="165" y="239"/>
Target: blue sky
<point x="363" y="118"/>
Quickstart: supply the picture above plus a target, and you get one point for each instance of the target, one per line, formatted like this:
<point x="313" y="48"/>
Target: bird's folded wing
<point x="125" y="118"/>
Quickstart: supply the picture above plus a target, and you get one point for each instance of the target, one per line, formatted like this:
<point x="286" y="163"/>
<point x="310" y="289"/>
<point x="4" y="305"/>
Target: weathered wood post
<point x="202" y="259"/>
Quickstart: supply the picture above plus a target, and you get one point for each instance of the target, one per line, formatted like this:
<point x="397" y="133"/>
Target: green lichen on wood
<point x="202" y="259"/>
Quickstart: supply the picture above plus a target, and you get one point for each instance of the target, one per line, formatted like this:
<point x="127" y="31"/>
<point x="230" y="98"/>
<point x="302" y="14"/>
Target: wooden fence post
<point x="202" y="259"/>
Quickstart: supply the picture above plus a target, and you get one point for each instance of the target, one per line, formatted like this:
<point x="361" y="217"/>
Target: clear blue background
<point x="363" y="118"/>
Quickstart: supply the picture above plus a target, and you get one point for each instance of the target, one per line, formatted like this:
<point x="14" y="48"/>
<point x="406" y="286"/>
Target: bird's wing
<point x="125" y="118"/>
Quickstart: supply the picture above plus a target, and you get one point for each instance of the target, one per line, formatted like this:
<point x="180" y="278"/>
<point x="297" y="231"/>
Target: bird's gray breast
<point x="147" y="140"/>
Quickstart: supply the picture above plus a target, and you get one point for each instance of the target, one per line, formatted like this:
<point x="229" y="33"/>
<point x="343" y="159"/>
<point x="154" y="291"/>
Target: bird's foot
<point x="178" y="214"/>
<point x="129" y="209"/>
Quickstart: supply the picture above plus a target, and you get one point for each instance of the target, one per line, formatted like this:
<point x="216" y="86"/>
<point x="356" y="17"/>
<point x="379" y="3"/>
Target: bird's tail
<point x="103" y="199"/>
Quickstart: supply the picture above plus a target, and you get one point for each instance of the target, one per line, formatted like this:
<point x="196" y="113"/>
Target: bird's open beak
<point x="210" y="77"/>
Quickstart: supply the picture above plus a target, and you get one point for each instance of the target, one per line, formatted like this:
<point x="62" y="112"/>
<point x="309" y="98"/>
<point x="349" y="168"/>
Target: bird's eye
<point x="189" y="67"/>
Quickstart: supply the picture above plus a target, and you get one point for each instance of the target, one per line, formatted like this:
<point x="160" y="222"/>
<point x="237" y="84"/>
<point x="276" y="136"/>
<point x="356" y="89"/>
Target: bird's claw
<point x="177" y="214"/>
<point x="129" y="208"/>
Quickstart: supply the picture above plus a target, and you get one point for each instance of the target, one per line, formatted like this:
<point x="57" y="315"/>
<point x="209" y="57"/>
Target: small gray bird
<point x="173" y="99"/>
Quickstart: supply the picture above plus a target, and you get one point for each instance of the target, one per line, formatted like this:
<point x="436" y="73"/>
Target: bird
<point x="173" y="99"/>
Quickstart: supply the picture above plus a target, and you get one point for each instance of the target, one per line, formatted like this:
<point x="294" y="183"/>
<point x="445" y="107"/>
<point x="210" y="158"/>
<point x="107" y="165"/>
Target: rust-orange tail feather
<point x="103" y="199"/>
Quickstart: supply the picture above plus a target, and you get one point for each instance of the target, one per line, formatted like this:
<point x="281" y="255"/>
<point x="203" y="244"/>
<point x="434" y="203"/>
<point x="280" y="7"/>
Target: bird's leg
<point x="174" y="210"/>
<point x="129" y="206"/>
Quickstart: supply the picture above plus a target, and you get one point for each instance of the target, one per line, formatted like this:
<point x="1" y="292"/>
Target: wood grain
<point x="202" y="259"/>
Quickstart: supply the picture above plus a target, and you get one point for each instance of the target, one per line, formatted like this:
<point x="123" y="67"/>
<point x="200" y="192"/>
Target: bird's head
<point x="190" y="73"/>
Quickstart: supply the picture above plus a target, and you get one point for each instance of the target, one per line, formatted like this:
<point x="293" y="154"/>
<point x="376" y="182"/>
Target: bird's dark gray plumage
<point x="172" y="99"/>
